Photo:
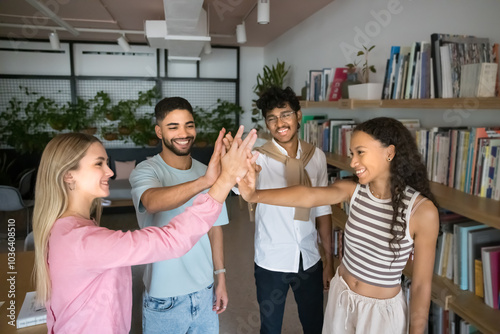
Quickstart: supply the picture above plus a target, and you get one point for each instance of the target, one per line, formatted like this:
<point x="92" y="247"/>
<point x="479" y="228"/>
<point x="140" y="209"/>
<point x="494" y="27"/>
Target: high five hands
<point x="237" y="156"/>
<point x="246" y="184"/>
<point x="234" y="161"/>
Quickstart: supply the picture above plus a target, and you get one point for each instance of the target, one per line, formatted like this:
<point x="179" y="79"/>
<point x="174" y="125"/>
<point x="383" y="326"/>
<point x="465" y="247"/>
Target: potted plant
<point x="366" y="90"/>
<point x="79" y="119"/>
<point x="101" y="105"/>
<point x="110" y="133"/>
<point x="202" y="121"/>
<point x="209" y="121"/>
<point x="143" y="133"/>
<point x="127" y="123"/>
<point x="25" y="134"/>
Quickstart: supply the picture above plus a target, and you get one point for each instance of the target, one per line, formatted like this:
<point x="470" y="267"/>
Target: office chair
<point x="29" y="242"/>
<point x="11" y="200"/>
<point x="26" y="184"/>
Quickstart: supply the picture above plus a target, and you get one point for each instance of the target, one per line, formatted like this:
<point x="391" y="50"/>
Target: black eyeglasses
<point x="284" y="117"/>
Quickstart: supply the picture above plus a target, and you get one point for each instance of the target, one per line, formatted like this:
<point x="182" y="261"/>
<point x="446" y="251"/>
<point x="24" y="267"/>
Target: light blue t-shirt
<point x="193" y="271"/>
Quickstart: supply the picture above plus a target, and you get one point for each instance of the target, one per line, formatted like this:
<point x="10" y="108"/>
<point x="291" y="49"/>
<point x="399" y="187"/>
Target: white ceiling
<point x="20" y="20"/>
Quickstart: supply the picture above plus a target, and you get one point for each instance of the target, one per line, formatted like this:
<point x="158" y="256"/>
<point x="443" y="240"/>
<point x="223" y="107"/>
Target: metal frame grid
<point x="117" y="90"/>
<point x="202" y="92"/>
<point x="57" y="89"/>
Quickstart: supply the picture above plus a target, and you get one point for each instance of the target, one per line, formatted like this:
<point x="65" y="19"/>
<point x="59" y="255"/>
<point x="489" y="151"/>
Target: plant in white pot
<point x="366" y="90"/>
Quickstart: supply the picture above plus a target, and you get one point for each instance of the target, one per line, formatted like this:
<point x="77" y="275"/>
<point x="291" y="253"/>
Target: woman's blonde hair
<point x="62" y="154"/>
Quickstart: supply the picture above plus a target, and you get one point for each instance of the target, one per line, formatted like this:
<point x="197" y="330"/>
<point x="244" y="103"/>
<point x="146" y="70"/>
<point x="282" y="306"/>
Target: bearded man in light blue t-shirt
<point x="180" y="294"/>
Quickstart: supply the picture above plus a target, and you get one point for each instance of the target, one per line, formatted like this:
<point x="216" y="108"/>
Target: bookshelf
<point x="444" y="292"/>
<point x="483" y="210"/>
<point x="455" y="103"/>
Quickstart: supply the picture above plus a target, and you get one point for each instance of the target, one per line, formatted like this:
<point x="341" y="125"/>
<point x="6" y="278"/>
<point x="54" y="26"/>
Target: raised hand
<point x="246" y="186"/>
<point x="228" y="140"/>
<point x="214" y="167"/>
<point x="234" y="163"/>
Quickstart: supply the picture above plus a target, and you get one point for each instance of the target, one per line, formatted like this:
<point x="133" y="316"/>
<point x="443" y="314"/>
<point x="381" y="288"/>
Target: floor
<point x="242" y="314"/>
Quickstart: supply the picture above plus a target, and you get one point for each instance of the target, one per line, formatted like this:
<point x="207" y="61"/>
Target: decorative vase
<point x="352" y="79"/>
<point x="366" y="91"/>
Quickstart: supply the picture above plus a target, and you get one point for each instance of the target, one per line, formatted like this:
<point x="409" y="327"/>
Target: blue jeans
<point x="191" y="313"/>
<point x="307" y="287"/>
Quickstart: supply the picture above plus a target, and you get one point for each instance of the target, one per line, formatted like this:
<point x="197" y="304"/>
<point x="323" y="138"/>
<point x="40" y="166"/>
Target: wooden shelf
<point x="468" y="306"/>
<point x="446" y="294"/>
<point x="483" y="210"/>
<point x="476" y="103"/>
<point x="338" y="216"/>
<point x="339" y="161"/>
<point x="464" y="303"/>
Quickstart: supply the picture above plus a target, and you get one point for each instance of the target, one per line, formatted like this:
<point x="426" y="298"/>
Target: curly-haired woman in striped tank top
<point x="393" y="220"/>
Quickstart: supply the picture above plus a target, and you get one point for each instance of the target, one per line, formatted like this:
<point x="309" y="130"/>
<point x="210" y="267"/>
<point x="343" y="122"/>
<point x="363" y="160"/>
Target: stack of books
<point x="448" y="66"/>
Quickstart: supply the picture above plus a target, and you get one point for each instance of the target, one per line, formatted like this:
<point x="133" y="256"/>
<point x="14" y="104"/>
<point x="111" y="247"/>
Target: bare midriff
<point x="365" y="289"/>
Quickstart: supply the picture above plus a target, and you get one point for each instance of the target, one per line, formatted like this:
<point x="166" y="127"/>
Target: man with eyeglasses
<point x="286" y="239"/>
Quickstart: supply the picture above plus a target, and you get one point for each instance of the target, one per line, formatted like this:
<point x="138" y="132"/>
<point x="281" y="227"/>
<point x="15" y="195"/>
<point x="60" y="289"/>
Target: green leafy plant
<point x="78" y="116"/>
<point x="28" y="127"/>
<point x="144" y="134"/>
<point x="20" y="126"/>
<point x="110" y="133"/>
<point x="365" y="69"/>
<point x="101" y="104"/>
<point x="271" y="76"/>
<point x="211" y="120"/>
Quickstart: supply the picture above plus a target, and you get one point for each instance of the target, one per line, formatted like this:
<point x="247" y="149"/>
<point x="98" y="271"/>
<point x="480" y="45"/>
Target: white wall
<point x="251" y="64"/>
<point x="317" y="42"/>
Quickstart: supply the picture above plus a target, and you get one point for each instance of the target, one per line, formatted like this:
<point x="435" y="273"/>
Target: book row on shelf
<point x="466" y="159"/>
<point x="442" y="321"/>
<point x="468" y="253"/>
<point x="447" y="66"/>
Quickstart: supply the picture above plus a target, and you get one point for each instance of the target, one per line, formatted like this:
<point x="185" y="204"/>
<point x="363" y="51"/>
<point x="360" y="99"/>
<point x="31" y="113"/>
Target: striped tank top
<point x="367" y="254"/>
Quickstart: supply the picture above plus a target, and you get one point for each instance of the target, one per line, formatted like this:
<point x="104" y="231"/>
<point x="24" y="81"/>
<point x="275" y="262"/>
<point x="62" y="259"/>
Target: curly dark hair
<point x="406" y="168"/>
<point x="276" y="97"/>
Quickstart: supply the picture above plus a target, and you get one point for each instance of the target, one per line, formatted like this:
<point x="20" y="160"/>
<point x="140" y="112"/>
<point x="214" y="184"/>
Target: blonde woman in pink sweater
<point x="83" y="270"/>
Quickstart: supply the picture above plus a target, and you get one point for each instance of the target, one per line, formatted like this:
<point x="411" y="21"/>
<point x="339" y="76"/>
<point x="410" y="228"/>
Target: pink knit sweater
<point x="90" y="266"/>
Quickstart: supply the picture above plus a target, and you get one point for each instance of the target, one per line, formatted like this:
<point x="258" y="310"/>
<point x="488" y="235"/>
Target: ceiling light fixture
<point x="263" y="11"/>
<point x="123" y="43"/>
<point x="241" y="34"/>
<point x="54" y="41"/>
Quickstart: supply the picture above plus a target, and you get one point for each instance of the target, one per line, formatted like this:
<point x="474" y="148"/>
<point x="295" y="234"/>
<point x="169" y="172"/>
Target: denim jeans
<point x="307" y="287"/>
<point x="191" y="313"/>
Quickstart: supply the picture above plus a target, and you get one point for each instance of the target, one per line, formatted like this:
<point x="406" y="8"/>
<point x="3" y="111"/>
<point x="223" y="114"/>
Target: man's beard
<point x="171" y="146"/>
